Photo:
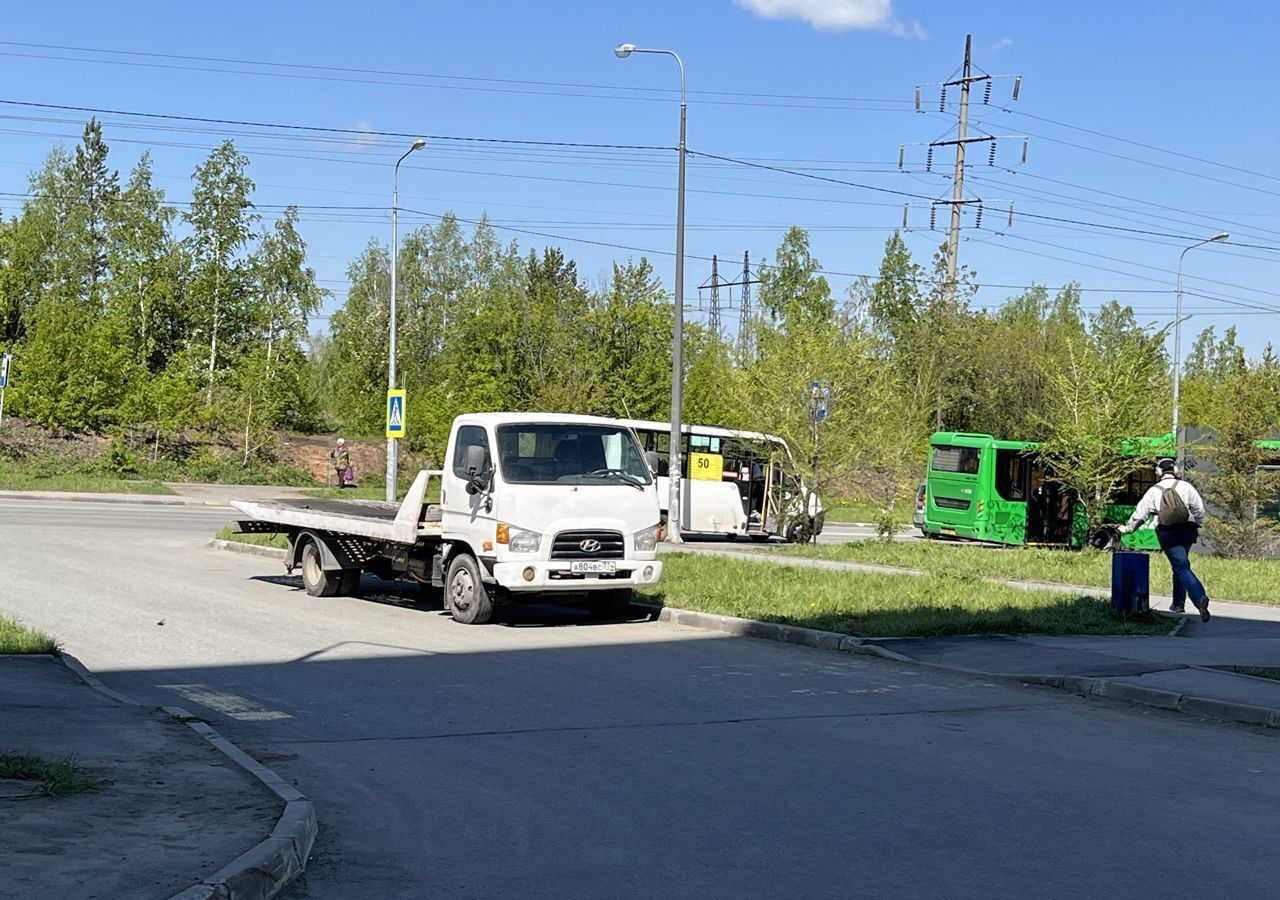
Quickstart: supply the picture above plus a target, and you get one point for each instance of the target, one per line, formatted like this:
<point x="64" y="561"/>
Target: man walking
<point x="1179" y="513"/>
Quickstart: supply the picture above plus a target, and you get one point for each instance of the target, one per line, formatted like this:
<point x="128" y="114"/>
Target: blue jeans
<point x="1185" y="582"/>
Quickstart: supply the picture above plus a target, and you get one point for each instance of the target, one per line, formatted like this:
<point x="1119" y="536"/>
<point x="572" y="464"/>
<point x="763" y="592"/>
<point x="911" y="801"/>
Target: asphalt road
<point x="545" y="757"/>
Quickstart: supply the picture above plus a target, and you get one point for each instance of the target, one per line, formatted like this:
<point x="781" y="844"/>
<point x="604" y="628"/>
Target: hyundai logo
<point x="590" y="545"/>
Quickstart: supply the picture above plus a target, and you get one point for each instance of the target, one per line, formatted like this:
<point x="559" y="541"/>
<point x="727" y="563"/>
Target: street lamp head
<point x="1220" y="236"/>
<point x="419" y="144"/>
<point x="622" y="51"/>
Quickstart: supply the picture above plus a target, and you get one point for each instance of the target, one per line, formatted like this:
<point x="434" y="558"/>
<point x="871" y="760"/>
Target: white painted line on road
<point x="231" y="705"/>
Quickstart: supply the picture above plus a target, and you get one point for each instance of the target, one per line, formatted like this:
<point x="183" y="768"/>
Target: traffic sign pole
<point x="4" y="382"/>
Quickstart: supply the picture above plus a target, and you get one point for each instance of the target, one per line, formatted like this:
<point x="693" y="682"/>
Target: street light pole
<point x="392" y="446"/>
<point x="1177" y="335"/>
<point x="677" y="337"/>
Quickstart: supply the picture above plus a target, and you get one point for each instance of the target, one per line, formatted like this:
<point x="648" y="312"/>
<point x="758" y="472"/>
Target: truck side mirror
<point x="651" y="460"/>
<point x="477" y="465"/>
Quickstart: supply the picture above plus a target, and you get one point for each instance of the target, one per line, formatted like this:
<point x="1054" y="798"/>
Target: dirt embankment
<point x="311" y="453"/>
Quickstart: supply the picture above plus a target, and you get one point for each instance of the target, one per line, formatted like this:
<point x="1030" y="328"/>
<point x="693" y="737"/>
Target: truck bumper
<point x="557" y="576"/>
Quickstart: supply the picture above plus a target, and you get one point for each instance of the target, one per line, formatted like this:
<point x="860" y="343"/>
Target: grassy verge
<point x="359" y="492"/>
<point x="260" y="540"/>
<point x="1254" y="581"/>
<point x="16" y="638"/>
<point x="78" y="483"/>
<point x="876" y="605"/>
<point x="55" y="777"/>
<point x="1255" y="671"/>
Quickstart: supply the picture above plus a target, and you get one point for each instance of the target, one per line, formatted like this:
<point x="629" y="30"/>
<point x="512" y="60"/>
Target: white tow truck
<point x="532" y="507"/>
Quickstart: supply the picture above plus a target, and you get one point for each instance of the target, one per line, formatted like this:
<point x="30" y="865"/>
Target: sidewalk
<point x="171" y="809"/>
<point x="1189" y="671"/>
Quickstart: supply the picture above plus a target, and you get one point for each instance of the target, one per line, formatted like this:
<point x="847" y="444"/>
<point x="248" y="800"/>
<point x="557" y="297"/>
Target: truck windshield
<point x="548" y="453"/>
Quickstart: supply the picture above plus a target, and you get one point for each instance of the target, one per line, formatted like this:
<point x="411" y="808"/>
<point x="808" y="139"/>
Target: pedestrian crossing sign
<point x="395" y="414"/>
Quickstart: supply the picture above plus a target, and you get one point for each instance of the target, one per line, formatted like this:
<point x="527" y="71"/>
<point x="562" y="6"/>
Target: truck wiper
<point x="620" y="474"/>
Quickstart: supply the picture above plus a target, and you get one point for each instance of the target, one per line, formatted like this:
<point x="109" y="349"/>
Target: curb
<point x="1084" y="686"/>
<point x="144" y="499"/>
<point x="249" y="549"/>
<point x="266" y="869"/>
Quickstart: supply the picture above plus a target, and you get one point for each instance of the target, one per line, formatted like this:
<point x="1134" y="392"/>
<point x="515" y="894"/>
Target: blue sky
<point x="1179" y="77"/>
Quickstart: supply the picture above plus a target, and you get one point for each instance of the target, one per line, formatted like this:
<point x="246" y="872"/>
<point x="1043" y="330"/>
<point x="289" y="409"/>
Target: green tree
<point x="1241" y="485"/>
<point x="1099" y="396"/>
<point x="357" y="355"/>
<point x="222" y="219"/>
<point x="144" y="292"/>
<point x="97" y="190"/>
<point x="633" y="321"/>
<point x="792" y="292"/>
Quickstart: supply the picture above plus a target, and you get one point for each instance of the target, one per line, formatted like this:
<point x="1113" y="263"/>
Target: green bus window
<point x="961" y="460"/>
<point x="1013" y="475"/>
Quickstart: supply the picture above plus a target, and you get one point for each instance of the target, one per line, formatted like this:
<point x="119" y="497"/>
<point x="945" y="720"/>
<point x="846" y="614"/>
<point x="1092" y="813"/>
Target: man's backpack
<point x="1173" y="509"/>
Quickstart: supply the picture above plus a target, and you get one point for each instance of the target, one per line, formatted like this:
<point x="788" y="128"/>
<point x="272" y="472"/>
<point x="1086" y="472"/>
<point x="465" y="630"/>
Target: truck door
<point x="465" y="514"/>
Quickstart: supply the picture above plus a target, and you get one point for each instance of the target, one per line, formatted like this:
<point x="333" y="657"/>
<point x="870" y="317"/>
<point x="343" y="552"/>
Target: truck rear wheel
<point x="468" y="599"/>
<point x="611" y="604"/>
<point x="317" y="581"/>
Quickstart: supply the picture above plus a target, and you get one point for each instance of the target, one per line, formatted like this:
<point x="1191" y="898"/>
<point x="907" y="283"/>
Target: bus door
<point x="953" y="490"/>
<point x="1010" y="506"/>
<point x="710" y="496"/>
<point x="1050" y="509"/>
<point x="752" y="473"/>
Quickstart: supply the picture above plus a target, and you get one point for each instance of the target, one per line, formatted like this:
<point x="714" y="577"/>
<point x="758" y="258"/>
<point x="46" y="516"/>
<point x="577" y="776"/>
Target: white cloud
<point x="366" y="137"/>
<point x="1002" y="43"/>
<point x="837" y="15"/>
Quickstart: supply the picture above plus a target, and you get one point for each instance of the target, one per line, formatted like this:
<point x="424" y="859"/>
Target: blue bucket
<point x="1130" y="582"/>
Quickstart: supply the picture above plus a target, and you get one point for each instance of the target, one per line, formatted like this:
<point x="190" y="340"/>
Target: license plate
<point x="594" y="567"/>
<point x="950" y="531"/>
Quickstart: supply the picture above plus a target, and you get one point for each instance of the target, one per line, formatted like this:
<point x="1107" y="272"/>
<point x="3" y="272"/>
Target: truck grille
<point x="568" y="545"/>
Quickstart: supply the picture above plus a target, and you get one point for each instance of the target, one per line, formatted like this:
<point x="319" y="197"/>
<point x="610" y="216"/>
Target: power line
<point x="356" y="132"/>
<point x="1145" y="146"/>
<point x="1155" y="165"/>
<point x="522" y="86"/>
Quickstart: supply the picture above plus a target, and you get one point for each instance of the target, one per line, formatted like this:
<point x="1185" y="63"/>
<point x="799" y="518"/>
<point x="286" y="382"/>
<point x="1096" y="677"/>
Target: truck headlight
<point x="524" y="541"/>
<point x="648" y="539"/>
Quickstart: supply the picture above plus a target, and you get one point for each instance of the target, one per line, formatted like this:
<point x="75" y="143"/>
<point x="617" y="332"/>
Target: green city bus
<point x="982" y="489"/>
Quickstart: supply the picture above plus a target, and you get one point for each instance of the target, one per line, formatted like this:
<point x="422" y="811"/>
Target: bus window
<point x="1135" y="486"/>
<point x="661" y="445"/>
<point x="1013" y="475"/>
<point x="961" y="460"/>
<point x="702" y="443"/>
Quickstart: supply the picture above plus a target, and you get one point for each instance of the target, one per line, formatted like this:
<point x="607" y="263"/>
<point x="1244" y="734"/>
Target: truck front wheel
<point x="317" y="581"/>
<point x="469" y="600"/>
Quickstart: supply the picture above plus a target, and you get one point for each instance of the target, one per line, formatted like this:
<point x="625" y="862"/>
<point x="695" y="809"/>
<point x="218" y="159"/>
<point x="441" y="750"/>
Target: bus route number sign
<point x="706" y="466"/>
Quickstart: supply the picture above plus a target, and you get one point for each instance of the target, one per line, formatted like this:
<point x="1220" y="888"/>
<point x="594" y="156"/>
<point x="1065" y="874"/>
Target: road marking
<point x="231" y="705"/>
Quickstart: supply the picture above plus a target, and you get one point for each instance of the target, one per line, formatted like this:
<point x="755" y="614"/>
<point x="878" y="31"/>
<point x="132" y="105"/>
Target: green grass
<point x="1254" y="581"/>
<point x="16" y="638"/>
<point x="260" y="540"/>
<point x="56" y="777"/>
<point x="1255" y="671"/>
<point x="359" y="492"/>
<point x="78" y="483"/>
<point x="877" y="605"/>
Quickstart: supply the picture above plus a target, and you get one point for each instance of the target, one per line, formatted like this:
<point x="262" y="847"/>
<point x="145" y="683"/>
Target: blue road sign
<point x="395" y="414"/>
